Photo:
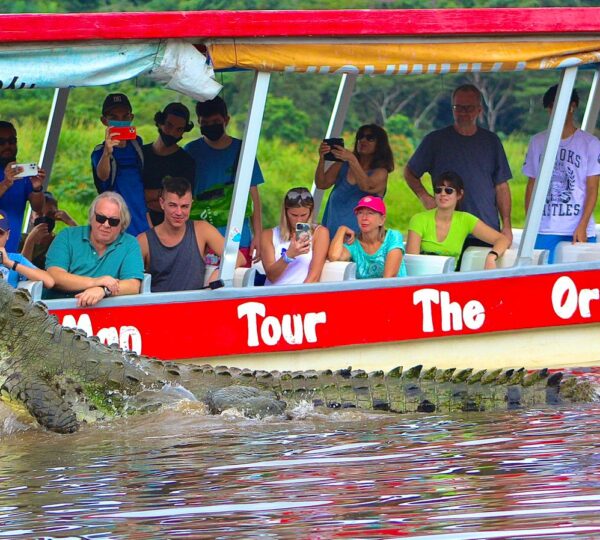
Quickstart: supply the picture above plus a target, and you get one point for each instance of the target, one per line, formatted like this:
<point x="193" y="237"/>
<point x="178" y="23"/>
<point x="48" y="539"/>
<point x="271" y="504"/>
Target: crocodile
<point x="62" y="378"/>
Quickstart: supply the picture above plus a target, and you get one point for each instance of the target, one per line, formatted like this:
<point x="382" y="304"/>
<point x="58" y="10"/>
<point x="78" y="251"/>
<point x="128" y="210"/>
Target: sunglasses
<point x="112" y="221"/>
<point x="369" y="137"/>
<point x="447" y="190"/>
<point x="3" y="232"/>
<point x="297" y="197"/>
<point x="7" y="140"/>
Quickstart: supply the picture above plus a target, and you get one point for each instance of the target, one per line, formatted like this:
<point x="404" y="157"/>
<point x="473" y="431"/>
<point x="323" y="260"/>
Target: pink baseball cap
<point x="373" y="202"/>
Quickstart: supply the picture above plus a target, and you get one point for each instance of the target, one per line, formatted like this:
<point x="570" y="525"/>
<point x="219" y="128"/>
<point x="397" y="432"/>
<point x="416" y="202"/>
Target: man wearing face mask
<point x="216" y="155"/>
<point x="117" y="163"/>
<point x="35" y="245"/>
<point x="14" y="191"/>
<point x="164" y="157"/>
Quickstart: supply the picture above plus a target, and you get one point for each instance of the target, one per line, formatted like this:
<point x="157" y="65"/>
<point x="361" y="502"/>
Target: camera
<point x="123" y="133"/>
<point x="335" y="141"/>
<point x="29" y="169"/>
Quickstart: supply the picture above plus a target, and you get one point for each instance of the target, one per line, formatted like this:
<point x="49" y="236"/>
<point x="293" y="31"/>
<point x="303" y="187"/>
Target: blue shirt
<point x="341" y="203"/>
<point x="12" y="276"/>
<point x="217" y="167"/>
<point x="372" y="266"/>
<point x="72" y="251"/>
<point x="126" y="168"/>
<point x="13" y="203"/>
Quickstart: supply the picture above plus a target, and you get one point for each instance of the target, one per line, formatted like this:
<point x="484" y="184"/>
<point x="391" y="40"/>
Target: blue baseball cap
<point x="4" y="223"/>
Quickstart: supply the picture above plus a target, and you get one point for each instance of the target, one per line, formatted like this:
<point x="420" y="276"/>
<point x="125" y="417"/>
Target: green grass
<point x="284" y="165"/>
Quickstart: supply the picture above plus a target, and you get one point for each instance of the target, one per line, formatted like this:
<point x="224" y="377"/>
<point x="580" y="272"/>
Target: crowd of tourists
<point x="162" y="209"/>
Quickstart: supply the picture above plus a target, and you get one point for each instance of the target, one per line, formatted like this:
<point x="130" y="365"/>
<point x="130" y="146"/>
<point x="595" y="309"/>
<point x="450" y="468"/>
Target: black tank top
<point x="177" y="268"/>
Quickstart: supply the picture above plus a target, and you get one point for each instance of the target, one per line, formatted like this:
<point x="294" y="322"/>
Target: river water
<point x="180" y="473"/>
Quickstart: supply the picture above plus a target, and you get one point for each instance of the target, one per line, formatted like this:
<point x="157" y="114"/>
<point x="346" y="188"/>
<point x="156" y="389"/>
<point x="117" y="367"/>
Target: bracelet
<point x="285" y="257"/>
<point x="15" y="264"/>
<point x="492" y="252"/>
<point x="38" y="189"/>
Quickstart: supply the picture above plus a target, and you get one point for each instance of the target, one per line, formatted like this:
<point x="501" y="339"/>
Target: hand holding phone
<point x="123" y="133"/>
<point x="303" y="232"/>
<point x="27" y="169"/>
<point x="334" y="141"/>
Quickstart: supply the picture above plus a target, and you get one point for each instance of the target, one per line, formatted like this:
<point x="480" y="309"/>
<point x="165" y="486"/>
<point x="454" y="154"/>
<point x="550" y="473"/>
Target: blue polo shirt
<point x="72" y="251"/>
<point x="13" y="203"/>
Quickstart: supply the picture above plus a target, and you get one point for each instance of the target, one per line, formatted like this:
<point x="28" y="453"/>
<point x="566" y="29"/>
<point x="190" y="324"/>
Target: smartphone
<point x="29" y="169"/>
<point x="302" y="229"/>
<point x="126" y="133"/>
<point x="335" y="141"/>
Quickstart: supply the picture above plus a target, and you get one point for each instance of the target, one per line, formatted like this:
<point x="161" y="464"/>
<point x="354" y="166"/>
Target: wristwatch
<point x="492" y="252"/>
<point x="107" y="292"/>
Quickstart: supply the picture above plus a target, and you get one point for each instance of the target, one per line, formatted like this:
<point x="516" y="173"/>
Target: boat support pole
<point x="336" y="124"/>
<point x="55" y="120"/>
<point x="590" y="118"/>
<point x="542" y="184"/>
<point x="243" y="176"/>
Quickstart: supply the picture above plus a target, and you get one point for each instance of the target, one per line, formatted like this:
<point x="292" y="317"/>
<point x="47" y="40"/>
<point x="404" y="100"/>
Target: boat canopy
<point x="174" y="63"/>
<point x="402" y="56"/>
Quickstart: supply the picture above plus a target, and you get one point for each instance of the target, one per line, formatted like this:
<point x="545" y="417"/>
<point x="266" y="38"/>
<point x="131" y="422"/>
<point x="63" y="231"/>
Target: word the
<point x="452" y="314"/>
<point x="127" y="337"/>
<point x="293" y="328"/>
<point x="566" y="299"/>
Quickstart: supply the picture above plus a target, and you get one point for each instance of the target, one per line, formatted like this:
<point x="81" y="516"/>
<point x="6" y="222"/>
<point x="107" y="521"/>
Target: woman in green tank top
<point x="444" y="229"/>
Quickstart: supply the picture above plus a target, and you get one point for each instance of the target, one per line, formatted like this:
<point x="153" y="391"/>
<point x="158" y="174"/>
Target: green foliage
<point x="400" y="125"/>
<point x="282" y="119"/>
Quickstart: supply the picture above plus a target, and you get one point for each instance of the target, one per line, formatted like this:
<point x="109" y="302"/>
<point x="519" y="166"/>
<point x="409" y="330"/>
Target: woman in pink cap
<point x="377" y="252"/>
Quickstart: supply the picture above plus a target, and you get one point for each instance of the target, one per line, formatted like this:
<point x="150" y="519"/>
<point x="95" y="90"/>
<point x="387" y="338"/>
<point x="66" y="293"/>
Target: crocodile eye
<point x="17" y="311"/>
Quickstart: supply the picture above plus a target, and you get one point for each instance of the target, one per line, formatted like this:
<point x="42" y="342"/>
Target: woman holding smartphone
<point x="444" y="229"/>
<point x="354" y="174"/>
<point x="295" y="251"/>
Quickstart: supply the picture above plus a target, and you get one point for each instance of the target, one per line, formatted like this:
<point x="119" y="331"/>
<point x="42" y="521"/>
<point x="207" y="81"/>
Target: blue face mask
<point x="119" y="123"/>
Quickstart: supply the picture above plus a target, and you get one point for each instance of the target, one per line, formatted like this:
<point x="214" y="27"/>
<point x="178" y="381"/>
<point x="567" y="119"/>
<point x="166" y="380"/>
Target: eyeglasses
<point x="464" y="108"/>
<point x="298" y="197"/>
<point x="7" y="140"/>
<point x="446" y="189"/>
<point x="112" y="221"/>
<point x="370" y="137"/>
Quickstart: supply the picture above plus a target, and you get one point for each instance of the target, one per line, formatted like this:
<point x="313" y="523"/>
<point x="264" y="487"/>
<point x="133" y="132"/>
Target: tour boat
<point x="525" y="313"/>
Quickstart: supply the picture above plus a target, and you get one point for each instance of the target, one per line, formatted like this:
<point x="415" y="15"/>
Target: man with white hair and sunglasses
<point x="98" y="260"/>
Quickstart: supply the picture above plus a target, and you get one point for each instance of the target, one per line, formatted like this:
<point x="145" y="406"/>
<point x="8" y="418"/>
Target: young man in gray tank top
<point x="174" y="250"/>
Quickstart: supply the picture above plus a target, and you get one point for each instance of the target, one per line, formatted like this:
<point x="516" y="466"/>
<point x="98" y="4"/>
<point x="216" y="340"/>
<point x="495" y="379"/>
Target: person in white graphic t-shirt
<point x="573" y="192"/>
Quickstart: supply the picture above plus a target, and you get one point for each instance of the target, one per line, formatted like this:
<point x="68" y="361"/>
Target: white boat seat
<point x="34" y="288"/>
<point x="242" y="277"/>
<point x="338" y="271"/>
<point x="474" y="258"/>
<point x="567" y="252"/>
<point x="517" y="234"/>
<point x="146" y="287"/>
<point x="425" y="265"/>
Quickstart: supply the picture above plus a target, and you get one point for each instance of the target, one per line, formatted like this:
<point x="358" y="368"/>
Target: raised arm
<point x="337" y="251"/>
<point x="326" y="179"/>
